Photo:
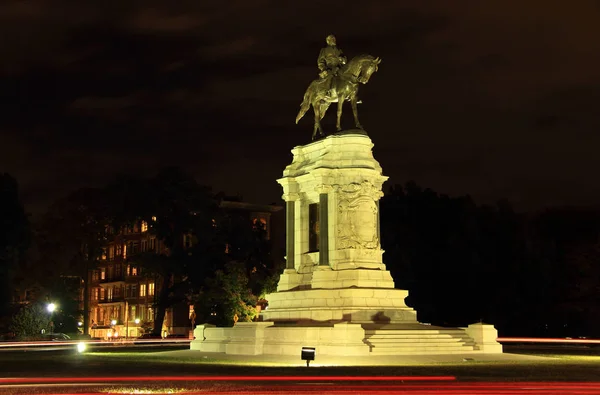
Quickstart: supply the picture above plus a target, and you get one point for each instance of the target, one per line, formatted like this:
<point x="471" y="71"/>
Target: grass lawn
<point x="563" y="366"/>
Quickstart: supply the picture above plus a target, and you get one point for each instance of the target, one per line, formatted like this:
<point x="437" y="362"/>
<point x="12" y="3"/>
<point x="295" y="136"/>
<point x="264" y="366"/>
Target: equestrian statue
<point x="338" y="82"/>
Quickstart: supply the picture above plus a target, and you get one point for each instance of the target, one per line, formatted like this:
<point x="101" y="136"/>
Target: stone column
<point x="378" y="223"/>
<point x="290" y="229"/>
<point x="323" y="230"/>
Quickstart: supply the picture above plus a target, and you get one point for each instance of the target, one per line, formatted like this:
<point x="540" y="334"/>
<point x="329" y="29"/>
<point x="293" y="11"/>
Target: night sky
<point x="497" y="99"/>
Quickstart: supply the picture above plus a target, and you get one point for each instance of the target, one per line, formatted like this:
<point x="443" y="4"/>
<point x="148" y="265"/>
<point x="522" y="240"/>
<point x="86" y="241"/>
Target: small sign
<point x="308" y="354"/>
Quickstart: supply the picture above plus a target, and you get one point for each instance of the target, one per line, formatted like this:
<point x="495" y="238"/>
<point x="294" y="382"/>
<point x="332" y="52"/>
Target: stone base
<point x="353" y="305"/>
<point x="484" y="337"/>
<point x="254" y="338"/>
<point x="362" y="278"/>
<point x="291" y="279"/>
<point x="342" y="339"/>
<point x="325" y="277"/>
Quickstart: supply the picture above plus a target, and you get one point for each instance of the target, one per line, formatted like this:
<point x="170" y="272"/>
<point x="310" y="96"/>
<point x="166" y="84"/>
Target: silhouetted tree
<point x="29" y="321"/>
<point x="454" y="257"/>
<point x="533" y="274"/>
<point x="71" y="238"/>
<point x="247" y="272"/>
<point x="570" y="270"/>
<point x="177" y="209"/>
<point x="15" y="237"/>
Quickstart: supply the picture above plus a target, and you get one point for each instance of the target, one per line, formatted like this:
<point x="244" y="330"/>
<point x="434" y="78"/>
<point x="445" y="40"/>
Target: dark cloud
<point x="496" y="99"/>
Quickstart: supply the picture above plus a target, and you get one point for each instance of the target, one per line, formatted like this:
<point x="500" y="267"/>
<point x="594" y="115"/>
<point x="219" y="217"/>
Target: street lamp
<point x="113" y="323"/>
<point x="51" y="307"/>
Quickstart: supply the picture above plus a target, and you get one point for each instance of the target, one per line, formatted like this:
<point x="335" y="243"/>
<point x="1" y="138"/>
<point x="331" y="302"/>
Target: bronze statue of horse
<point x="343" y="87"/>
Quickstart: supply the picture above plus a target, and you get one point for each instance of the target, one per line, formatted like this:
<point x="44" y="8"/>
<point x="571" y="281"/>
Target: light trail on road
<point x="422" y="388"/>
<point x="29" y="380"/>
<point x="130" y="342"/>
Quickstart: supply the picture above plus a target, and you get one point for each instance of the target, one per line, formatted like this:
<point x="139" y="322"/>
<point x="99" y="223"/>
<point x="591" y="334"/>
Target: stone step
<point x="381" y="335"/>
<point x="392" y="351"/>
<point x="398" y="341"/>
<point x="416" y="332"/>
<point x="421" y="346"/>
<point x="449" y="340"/>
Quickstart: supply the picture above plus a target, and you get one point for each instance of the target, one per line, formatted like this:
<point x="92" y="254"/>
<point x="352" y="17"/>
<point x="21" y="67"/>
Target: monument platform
<point x="336" y="294"/>
<point x="345" y="339"/>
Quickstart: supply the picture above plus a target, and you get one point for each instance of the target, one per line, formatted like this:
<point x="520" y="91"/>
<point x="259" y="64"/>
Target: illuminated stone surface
<point x="338" y="296"/>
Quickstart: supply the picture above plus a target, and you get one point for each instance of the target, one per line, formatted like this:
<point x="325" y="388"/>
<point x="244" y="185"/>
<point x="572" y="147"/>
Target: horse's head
<point x="369" y="66"/>
<point x="360" y="68"/>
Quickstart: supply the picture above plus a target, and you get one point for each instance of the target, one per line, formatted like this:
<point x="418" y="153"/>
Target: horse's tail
<point x="304" y="106"/>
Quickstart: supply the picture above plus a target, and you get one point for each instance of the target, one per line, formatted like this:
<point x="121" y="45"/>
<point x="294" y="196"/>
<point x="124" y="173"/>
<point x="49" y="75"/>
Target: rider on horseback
<point x="329" y="62"/>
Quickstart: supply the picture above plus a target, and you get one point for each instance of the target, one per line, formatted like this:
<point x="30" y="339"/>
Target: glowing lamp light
<point x="137" y="321"/>
<point x="79" y="323"/>
<point x="51" y="307"/>
<point x="113" y="322"/>
<point x="81" y="347"/>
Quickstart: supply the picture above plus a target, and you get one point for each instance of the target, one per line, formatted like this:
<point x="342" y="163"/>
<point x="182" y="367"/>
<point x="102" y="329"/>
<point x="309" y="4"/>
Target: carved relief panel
<point x="358" y="216"/>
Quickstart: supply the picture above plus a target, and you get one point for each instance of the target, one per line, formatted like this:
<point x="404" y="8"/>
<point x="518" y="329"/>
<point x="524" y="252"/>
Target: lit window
<point x="150" y="289"/>
<point x="187" y="241"/>
<point x="119" y="250"/>
<point x="102" y="274"/>
<point x="144" y="226"/>
<point x="143" y="290"/>
<point x="153" y="219"/>
<point x="124" y="251"/>
<point x="128" y="270"/>
<point x="134" y="271"/>
<point x="104" y="254"/>
<point x="110" y="294"/>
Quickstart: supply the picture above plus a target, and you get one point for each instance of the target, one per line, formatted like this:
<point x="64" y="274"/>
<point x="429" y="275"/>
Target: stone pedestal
<point x="335" y="293"/>
<point x="335" y="270"/>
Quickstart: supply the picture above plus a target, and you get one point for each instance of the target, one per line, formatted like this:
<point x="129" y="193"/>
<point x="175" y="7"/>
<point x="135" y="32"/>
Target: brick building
<point x="122" y="298"/>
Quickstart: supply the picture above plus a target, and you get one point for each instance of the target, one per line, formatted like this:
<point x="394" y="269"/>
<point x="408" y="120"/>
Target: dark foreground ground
<point x="133" y="370"/>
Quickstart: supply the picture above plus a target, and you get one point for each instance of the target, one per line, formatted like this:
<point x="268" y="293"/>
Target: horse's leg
<point x="317" y="123"/>
<point x="323" y="106"/>
<point x="338" y="124"/>
<point x="354" y="100"/>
